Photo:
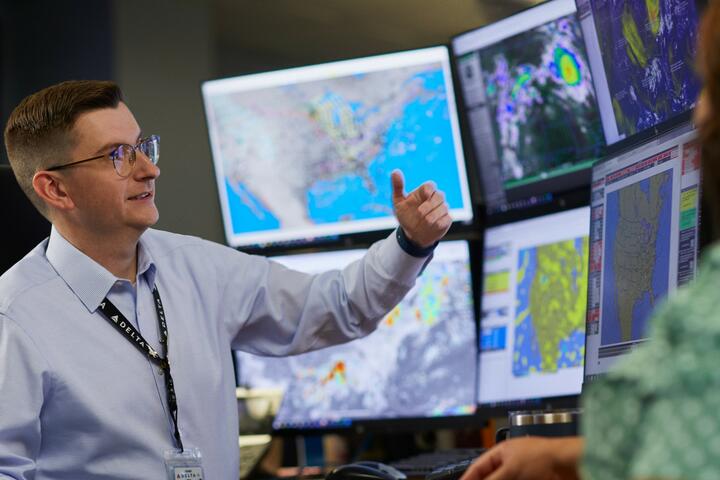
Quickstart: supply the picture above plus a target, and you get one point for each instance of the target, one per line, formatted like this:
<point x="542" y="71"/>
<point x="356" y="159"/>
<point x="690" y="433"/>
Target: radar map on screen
<point x="551" y="305"/>
<point x="415" y="365"/>
<point x="648" y="49"/>
<point x="541" y="94"/>
<point x="637" y="255"/>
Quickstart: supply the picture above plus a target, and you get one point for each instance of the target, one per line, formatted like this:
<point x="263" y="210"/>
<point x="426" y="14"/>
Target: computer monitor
<point x="530" y="105"/>
<point x="644" y="240"/>
<point x="307" y="152"/>
<point x="418" y="364"/>
<point x="642" y="56"/>
<point x="534" y="297"/>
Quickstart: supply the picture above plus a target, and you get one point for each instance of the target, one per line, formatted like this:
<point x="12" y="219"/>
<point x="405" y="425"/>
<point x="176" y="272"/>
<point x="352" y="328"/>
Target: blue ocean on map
<point x="643" y="306"/>
<point x="247" y="214"/>
<point x="571" y="350"/>
<point x="420" y="143"/>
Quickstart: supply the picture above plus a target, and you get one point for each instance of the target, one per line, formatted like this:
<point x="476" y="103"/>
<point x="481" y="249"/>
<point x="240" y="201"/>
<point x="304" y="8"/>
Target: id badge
<point x="186" y="465"/>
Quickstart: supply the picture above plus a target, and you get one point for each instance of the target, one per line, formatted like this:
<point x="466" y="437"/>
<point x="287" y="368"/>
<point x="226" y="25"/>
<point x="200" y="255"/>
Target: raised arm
<point x="288" y="312"/>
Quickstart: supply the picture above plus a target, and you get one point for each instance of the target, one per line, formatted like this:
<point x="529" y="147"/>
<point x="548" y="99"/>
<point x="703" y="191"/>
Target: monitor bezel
<point x="662" y="127"/>
<point x="626" y="146"/>
<point x="558" y="200"/>
<point x="460" y="228"/>
<point x="411" y="423"/>
<point x="569" y="201"/>
<point x="455" y="37"/>
<point x="638" y="139"/>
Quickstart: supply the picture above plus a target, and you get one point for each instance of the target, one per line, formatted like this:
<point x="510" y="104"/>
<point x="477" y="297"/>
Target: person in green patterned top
<point x="657" y="415"/>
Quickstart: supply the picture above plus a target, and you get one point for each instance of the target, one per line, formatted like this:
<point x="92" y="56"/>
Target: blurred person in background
<point x="656" y="415"/>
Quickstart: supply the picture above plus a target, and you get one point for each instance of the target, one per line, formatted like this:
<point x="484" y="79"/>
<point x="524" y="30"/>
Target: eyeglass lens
<point x="124" y="156"/>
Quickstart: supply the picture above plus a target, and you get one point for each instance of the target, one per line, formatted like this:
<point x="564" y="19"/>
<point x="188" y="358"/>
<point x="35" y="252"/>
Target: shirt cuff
<point x="412" y="248"/>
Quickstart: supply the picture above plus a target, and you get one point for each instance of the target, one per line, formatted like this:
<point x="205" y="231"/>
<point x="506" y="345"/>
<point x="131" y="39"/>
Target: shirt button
<point x="160" y="372"/>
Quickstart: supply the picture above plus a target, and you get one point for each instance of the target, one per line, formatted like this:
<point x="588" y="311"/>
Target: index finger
<point x="426" y="190"/>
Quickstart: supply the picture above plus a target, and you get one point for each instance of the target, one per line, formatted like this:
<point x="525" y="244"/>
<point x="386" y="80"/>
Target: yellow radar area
<point x="635" y="48"/>
<point x="522" y="269"/>
<point x="568" y="67"/>
<point x="335" y="117"/>
<point x="558" y="297"/>
<point x="496" y="282"/>
<point x="433" y="297"/>
<point x="551" y="303"/>
<point x="393" y="316"/>
<point x="653" y="9"/>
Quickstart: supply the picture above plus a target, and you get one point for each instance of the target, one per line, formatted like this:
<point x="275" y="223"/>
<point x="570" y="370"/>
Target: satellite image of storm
<point x="321" y="152"/>
<point x="540" y="90"/>
<point x="648" y="49"/>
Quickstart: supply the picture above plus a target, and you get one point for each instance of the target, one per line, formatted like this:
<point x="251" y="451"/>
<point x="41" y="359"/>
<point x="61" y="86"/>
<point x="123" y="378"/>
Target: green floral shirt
<point x="657" y="415"/>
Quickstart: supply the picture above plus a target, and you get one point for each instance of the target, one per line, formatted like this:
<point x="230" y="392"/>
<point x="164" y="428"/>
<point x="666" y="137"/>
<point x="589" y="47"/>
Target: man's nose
<point x="144" y="167"/>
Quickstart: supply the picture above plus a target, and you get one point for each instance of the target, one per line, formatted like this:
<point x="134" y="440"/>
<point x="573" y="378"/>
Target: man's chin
<point x="143" y="224"/>
<point x="152" y="223"/>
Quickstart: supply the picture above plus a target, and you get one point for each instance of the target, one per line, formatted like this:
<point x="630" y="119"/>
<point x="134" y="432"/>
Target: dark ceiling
<point x="256" y="35"/>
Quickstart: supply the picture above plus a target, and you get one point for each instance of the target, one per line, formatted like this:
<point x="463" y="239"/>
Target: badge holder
<point x="186" y="465"/>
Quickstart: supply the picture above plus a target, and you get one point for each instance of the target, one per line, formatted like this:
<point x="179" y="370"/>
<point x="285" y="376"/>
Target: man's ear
<point x="51" y="189"/>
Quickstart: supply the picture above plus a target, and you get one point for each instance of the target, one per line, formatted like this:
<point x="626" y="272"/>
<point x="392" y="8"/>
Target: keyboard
<point x="252" y="449"/>
<point x="451" y="471"/>
<point x="440" y="465"/>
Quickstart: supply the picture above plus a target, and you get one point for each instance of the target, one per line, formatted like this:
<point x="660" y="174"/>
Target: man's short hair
<point x="38" y="133"/>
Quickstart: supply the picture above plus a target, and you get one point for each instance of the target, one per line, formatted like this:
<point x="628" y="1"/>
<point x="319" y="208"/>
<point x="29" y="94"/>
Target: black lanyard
<point x="118" y="320"/>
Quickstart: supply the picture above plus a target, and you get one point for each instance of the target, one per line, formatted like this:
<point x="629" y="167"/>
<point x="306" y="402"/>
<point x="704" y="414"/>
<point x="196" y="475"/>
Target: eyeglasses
<point x="123" y="157"/>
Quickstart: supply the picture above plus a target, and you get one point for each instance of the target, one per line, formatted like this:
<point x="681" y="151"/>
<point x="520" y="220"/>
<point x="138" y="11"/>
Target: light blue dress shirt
<point x="79" y="402"/>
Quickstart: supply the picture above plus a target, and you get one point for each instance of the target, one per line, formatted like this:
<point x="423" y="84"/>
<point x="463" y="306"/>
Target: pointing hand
<point x="423" y="213"/>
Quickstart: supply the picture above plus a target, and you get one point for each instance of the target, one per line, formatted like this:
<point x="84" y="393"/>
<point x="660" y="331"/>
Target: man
<point x="115" y="339"/>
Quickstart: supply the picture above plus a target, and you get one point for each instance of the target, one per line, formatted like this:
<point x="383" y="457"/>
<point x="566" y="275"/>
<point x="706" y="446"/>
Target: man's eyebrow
<point x="107" y="147"/>
<point x="112" y="145"/>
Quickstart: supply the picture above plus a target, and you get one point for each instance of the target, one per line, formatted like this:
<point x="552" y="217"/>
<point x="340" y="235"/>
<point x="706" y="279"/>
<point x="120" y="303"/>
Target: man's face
<point x="105" y="202"/>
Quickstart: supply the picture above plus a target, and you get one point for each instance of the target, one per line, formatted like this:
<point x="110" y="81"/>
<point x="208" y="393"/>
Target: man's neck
<point x="117" y="254"/>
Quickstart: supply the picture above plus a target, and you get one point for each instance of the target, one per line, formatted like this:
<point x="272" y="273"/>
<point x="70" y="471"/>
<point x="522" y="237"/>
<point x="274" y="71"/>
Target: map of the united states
<point x="320" y="152"/>
<point x="636" y="256"/>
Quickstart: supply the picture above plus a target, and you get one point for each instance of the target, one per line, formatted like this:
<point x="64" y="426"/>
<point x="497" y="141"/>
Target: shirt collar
<point x="146" y="264"/>
<point x="89" y="280"/>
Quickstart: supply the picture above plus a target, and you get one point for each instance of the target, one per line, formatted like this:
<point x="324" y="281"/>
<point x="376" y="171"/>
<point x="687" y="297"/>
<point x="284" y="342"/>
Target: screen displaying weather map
<point x="420" y="362"/>
<point x="534" y="300"/>
<point x="642" y="54"/>
<point x="531" y="103"/>
<point x="644" y="241"/>
<point x="308" y="152"/>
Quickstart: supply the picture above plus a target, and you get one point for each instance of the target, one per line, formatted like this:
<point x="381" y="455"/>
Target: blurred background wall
<point x="160" y="51"/>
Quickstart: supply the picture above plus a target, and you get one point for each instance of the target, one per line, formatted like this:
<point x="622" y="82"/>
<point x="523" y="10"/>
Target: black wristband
<point x="412" y="248"/>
